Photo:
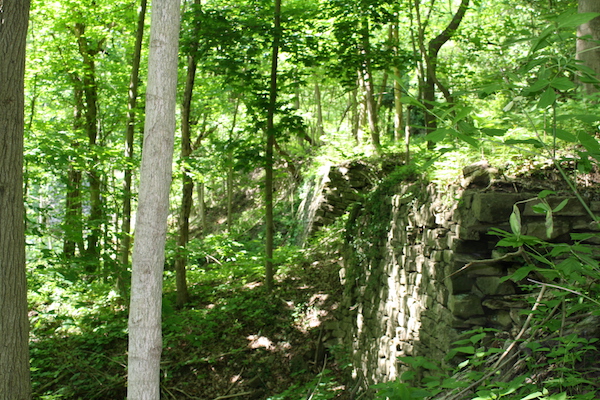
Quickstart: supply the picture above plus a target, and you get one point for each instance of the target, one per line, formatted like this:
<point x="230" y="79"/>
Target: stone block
<point x="537" y="228"/>
<point x="465" y="306"/>
<point x="494" y="207"/>
<point x="492" y="285"/>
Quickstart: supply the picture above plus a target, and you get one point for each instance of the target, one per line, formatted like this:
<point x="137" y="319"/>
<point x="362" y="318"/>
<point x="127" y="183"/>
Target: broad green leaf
<point x="515" y="220"/>
<point x="540" y="208"/>
<point x="510" y="242"/>
<point x="575" y="19"/>
<point x="535" y="395"/>
<point x="534" y="142"/>
<point x="557" y="396"/>
<point x="539" y="85"/>
<point x="589" y="142"/>
<point x="437" y="135"/>
<point x="476" y="338"/>
<point x="541" y="258"/>
<point x="561" y="205"/>
<point x="545" y="193"/>
<point x="519" y="274"/>
<point x="562" y="83"/>
<point x="547" y="99"/>
<point x="494" y="132"/>
<point x="583" y="236"/>
<point x="462" y="114"/>
<point x="468" y="139"/>
<point x="565" y="135"/>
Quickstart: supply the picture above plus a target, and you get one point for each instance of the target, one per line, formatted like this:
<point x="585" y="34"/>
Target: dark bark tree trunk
<point x="73" y="225"/>
<point x="587" y="43"/>
<point x="367" y="76"/>
<point x="90" y="90"/>
<point x="14" y="325"/>
<point x="430" y="54"/>
<point x="269" y="245"/>
<point x="183" y="295"/>
<point x="125" y="243"/>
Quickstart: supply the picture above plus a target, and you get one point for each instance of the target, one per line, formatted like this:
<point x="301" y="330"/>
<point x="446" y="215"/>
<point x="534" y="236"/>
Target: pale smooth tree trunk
<point x="588" y="50"/>
<point x="14" y="326"/>
<point x="145" y="334"/>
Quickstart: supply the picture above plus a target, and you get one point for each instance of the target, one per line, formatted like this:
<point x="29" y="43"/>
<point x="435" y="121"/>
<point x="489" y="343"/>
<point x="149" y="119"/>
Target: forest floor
<point x="232" y="341"/>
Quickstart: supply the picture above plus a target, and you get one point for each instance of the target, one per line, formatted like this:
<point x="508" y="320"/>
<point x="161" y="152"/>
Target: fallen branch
<point x="230" y="396"/>
<point x="505" y="257"/>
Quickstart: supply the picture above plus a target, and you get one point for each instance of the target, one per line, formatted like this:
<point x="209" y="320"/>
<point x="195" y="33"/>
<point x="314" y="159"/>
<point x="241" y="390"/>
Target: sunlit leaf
<point x="515" y="220"/>
<point x="547" y="99"/>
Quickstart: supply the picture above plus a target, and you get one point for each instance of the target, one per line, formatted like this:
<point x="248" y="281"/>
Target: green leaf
<point x="494" y="132"/>
<point x="539" y="85"/>
<point x="468" y="139"/>
<point x="545" y="193"/>
<point x="589" y="142"/>
<point x="520" y="273"/>
<point x="575" y="19"/>
<point x="462" y="114"/>
<point x="437" y="135"/>
<point x="562" y="83"/>
<point x="540" y="208"/>
<point x="565" y="135"/>
<point x="561" y="205"/>
<point x="515" y="220"/>
<point x="547" y="99"/>
<point x="535" y="395"/>
<point x="534" y="142"/>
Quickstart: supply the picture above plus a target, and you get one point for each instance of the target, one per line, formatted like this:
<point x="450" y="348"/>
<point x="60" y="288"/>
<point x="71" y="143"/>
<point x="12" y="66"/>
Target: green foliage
<point x="322" y="387"/>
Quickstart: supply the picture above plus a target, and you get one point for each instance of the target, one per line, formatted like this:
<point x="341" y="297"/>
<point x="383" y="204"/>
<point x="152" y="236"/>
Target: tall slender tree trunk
<point x="183" y="295"/>
<point x="319" y="106"/>
<point x="90" y="90"/>
<point x="398" y="112"/>
<point x="145" y="333"/>
<point x="587" y="43"/>
<point x="430" y="55"/>
<point x="73" y="225"/>
<point x="230" y="167"/>
<point x="125" y="243"/>
<point x="269" y="245"/>
<point x="14" y="325"/>
<point x="369" y="88"/>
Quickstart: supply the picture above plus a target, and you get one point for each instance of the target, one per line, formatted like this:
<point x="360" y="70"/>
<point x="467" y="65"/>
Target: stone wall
<point x="420" y="267"/>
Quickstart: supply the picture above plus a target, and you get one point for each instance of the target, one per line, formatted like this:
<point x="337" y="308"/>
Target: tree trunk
<point x="269" y="268"/>
<point x="90" y="89"/>
<point x="73" y="225"/>
<point x="14" y="325"/>
<point x="587" y="49"/>
<point x="319" y="106"/>
<point x="398" y="120"/>
<point x="183" y="295"/>
<point x="145" y="334"/>
<point x="430" y="54"/>
<point x="125" y="243"/>
<point x="369" y="89"/>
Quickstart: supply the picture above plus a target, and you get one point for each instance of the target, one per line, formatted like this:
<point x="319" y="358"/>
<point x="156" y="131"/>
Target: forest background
<point x="438" y="84"/>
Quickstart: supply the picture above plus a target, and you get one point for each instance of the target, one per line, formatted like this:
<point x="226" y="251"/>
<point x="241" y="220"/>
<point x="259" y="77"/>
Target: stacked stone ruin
<point x="415" y="292"/>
